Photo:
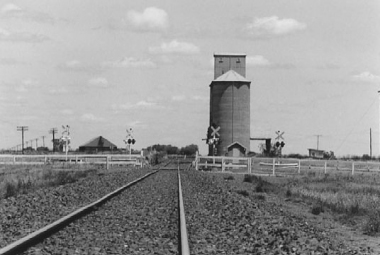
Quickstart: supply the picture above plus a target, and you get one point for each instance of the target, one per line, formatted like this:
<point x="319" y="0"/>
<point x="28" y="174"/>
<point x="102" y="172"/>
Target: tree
<point x="189" y="150"/>
<point x="273" y="152"/>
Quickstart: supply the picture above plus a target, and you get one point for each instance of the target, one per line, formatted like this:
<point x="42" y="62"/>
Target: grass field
<point x="23" y="179"/>
<point x="354" y="199"/>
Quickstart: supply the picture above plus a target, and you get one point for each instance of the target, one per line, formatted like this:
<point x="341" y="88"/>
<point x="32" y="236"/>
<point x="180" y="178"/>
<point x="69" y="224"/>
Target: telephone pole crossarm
<point x="22" y="129"/>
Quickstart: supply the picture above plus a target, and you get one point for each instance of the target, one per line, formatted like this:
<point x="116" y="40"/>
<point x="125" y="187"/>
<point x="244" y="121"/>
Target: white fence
<point x="107" y="160"/>
<point x="283" y="166"/>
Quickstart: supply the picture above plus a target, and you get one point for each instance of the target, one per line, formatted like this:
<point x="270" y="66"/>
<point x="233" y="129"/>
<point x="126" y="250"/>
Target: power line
<point x="349" y="133"/>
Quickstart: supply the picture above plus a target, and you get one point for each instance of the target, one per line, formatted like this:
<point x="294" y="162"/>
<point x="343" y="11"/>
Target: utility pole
<point x="43" y="141"/>
<point x="53" y="131"/>
<point x="22" y="129"/>
<point x="36" y="143"/>
<point x="317" y="141"/>
<point x="370" y="143"/>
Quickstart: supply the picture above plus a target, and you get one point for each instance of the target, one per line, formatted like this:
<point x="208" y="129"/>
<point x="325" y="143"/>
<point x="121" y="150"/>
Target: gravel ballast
<point x="223" y="216"/>
<point x="141" y="220"/>
<point x="26" y="213"/>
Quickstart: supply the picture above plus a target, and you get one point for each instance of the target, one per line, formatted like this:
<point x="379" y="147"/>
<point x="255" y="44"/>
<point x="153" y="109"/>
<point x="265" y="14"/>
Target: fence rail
<point x="283" y="166"/>
<point x="107" y="160"/>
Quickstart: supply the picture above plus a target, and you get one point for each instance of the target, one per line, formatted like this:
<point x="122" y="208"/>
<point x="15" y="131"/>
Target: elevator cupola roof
<point x="231" y="75"/>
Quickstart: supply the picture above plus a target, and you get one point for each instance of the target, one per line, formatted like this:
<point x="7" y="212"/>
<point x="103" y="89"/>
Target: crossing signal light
<point x="278" y="144"/>
<point x="282" y="144"/>
<point x="131" y="141"/>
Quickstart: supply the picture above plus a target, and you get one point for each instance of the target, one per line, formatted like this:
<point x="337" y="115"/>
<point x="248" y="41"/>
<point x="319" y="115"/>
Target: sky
<point x="103" y="67"/>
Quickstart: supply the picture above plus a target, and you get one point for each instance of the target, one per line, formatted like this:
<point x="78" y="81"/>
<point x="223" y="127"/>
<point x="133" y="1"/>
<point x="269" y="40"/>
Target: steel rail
<point x="184" y="243"/>
<point x="37" y="236"/>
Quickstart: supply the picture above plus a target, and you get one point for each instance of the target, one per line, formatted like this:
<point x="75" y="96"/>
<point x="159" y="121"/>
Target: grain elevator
<point x="230" y="106"/>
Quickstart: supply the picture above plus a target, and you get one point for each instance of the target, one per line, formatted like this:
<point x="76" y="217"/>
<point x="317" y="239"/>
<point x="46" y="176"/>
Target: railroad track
<point x="147" y="217"/>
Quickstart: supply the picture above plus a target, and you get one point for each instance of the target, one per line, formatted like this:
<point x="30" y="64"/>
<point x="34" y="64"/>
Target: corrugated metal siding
<point x="223" y="64"/>
<point x="230" y="109"/>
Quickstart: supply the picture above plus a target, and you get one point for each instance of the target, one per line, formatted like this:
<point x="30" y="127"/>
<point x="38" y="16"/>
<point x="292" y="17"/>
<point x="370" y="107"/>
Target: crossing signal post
<point x="213" y="139"/>
<point x="280" y="142"/>
<point x="130" y="140"/>
<point x="66" y="137"/>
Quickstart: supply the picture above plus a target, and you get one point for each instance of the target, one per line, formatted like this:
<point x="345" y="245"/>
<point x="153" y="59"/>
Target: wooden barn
<point x="98" y="144"/>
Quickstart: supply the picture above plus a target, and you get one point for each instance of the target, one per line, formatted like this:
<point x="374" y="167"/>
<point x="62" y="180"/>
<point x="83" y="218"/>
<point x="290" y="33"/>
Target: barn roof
<point x="231" y="75"/>
<point x="97" y="142"/>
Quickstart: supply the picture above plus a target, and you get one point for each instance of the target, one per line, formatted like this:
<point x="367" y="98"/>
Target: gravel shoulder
<point x="229" y="217"/>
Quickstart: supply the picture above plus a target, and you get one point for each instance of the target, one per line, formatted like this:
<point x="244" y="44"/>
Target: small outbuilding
<point x="98" y="144"/>
<point x="318" y="154"/>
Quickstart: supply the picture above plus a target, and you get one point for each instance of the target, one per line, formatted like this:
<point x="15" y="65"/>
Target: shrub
<point x="354" y="209"/>
<point x="260" y="197"/>
<point x="64" y="177"/>
<point x="249" y="178"/>
<point x="317" y="209"/>
<point x="229" y="178"/>
<point x="373" y="223"/>
<point x="259" y="187"/>
<point x="10" y="189"/>
<point x="243" y="192"/>
<point x="288" y="193"/>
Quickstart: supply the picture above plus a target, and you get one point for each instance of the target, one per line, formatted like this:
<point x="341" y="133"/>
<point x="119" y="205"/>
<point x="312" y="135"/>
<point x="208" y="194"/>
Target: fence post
<point x="14" y="159"/>
<point x="196" y="160"/>
<point x="45" y="159"/>
<point x="223" y="164"/>
<point x="107" y="165"/>
<point x="250" y="164"/>
<point x="299" y="166"/>
<point x="325" y="167"/>
<point x="353" y="167"/>
<point x="274" y="166"/>
<point x="76" y="159"/>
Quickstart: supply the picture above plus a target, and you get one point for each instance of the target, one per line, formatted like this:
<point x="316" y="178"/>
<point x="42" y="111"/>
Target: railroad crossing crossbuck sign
<point x="278" y="138"/>
<point x="215" y="131"/>
<point x="279" y="135"/>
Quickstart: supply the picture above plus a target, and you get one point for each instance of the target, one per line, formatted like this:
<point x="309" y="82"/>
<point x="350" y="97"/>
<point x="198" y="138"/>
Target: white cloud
<point x="175" y="47"/>
<point x="257" y="60"/>
<point x="27" y="84"/>
<point x="136" y="124"/>
<point x="89" y="117"/>
<point x="178" y="98"/>
<point x="77" y="66"/>
<point x="57" y="91"/>
<point x="131" y="62"/>
<point x="367" y="77"/>
<point x="151" y="19"/>
<point x="67" y="112"/>
<point x="10" y="8"/>
<point x="273" y="26"/>
<point x="145" y="104"/>
<point x="200" y="98"/>
<point x="6" y="35"/>
<point x="128" y="106"/>
<point x="13" y="11"/>
<point x="100" y="82"/>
